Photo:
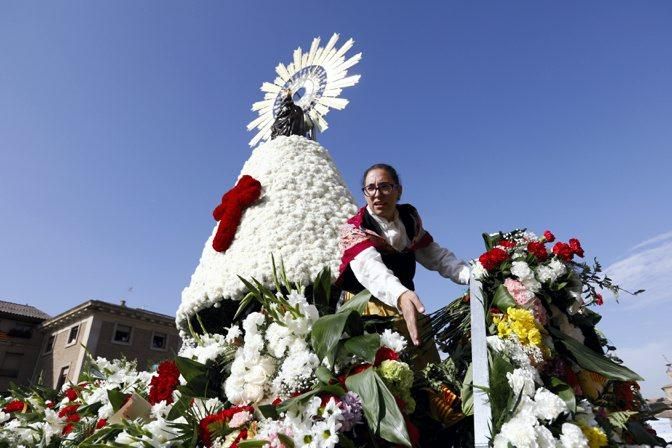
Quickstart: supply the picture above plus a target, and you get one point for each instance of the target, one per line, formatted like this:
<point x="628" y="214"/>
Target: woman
<point x="381" y="245"/>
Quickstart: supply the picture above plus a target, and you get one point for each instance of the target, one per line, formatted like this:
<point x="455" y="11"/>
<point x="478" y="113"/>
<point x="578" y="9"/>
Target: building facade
<point x="20" y="342"/>
<point x="102" y="329"/>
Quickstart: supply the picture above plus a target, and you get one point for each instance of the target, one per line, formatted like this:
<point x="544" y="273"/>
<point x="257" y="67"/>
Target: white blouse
<point x="372" y="273"/>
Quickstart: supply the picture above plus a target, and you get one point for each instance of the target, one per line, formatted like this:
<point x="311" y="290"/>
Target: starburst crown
<point x="315" y="79"/>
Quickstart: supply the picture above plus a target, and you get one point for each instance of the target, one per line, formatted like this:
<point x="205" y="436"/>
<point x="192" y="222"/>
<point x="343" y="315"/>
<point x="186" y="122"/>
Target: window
<point x="122" y="334"/>
<point x="11" y="365"/>
<point x="20" y="330"/>
<point x="159" y="341"/>
<point x="50" y="344"/>
<point x="72" y="335"/>
<point x="62" y="377"/>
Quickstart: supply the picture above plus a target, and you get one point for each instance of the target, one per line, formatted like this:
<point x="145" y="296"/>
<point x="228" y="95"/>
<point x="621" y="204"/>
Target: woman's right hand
<point x="410" y="305"/>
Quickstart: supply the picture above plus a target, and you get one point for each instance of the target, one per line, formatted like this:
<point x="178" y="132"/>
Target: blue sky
<point x="122" y="123"/>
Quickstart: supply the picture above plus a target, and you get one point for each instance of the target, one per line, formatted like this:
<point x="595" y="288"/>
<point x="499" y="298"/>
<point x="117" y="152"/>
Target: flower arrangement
<point x="553" y="379"/>
<point x="282" y="374"/>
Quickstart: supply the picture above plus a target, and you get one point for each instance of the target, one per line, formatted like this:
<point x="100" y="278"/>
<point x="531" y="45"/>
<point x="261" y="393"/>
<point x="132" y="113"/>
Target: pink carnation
<point x="526" y="299"/>
<point x="520" y="294"/>
<point x="239" y="419"/>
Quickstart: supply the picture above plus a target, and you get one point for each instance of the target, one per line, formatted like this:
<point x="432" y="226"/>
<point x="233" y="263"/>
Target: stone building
<point x="106" y="330"/>
<point x="20" y="342"/>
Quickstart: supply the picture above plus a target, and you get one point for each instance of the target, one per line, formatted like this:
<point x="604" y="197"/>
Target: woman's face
<point x="382" y="205"/>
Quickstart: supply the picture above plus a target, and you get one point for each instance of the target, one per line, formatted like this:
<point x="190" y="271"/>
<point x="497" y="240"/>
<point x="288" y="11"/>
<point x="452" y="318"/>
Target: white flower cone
<point x="303" y="203"/>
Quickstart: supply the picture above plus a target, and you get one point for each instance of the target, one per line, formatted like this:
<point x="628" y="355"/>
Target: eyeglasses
<point x="383" y="188"/>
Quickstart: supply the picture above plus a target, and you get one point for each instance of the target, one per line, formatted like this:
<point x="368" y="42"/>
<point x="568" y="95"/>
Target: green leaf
<point x="189" y="368"/>
<point x="364" y="346"/>
<point x="117" y="399"/>
<point x="322" y="288"/>
<point x="327" y="332"/>
<point x="380" y="408"/>
<point x="502" y="299"/>
<point x="642" y="436"/>
<point x="564" y="391"/>
<point x="286" y="440"/>
<point x="595" y="362"/>
<point x="253" y="443"/>
<point x="490" y="240"/>
<point x="620" y="419"/>
<point x="180" y="407"/>
<point x="268" y="411"/>
<point x="324" y="375"/>
<point x="467" y="392"/>
<point x="357" y="303"/>
<point x="298" y="399"/>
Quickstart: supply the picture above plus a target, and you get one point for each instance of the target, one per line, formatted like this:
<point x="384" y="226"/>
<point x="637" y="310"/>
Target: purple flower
<point x="351" y="406"/>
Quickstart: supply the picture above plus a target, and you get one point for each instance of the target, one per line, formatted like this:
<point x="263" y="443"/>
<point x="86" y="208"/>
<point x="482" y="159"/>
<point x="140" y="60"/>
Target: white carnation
<point x="522" y="380"/>
<point x="572" y="436"/>
<point x="548" y="406"/>
<point x="393" y="340"/>
<point x="526" y="276"/>
<point x="478" y="271"/>
<point x="545" y="438"/>
<point x="519" y="431"/>
<point x="551" y="272"/>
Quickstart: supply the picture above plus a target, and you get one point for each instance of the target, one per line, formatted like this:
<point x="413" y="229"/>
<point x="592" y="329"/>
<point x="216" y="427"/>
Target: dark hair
<point x="382" y="166"/>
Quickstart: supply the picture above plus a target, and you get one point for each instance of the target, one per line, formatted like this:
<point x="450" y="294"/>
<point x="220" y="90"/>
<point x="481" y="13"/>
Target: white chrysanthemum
<point x="393" y="340"/>
<point x="304" y="202"/>
<point x="526" y="276"/>
<point x="548" y="406"/>
<point x="233" y="333"/>
<point x="522" y="380"/>
<point x="572" y="436"/>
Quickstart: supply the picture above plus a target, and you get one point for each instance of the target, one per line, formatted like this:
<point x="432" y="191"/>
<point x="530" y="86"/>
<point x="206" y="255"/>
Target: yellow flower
<point x="595" y="435"/>
<point x="520" y="322"/>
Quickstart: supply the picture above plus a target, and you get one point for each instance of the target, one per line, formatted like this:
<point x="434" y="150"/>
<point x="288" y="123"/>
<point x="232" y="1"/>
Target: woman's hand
<point x="410" y="305"/>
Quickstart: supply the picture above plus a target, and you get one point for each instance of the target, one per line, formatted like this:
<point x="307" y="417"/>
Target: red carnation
<point x="68" y="410"/>
<point x="563" y="251"/>
<point x="538" y="249"/>
<point x="385" y="354"/>
<point x="549" y="236"/>
<point x="214" y="424"/>
<point x="507" y="243"/>
<point x="493" y="258"/>
<point x="230" y="211"/>
<point x="359" y="368"/>
<point x="575" y="245"/>
<point x="598" y="299"/>
<point x="73" y="418"/>
<point x="14" y="406"/>
<point x="67" y="429"/>
<point x="101" y="423"/>
<point x="326" y="397"/>
<point x="163" y="385"/>
<point x="71" y="394"/>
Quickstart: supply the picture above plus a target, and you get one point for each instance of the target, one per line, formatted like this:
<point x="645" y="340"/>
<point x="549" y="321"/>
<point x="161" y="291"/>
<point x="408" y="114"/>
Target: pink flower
<point x="520" y="294"/>
<point x="526" y="299"/>
<point x="239" y="419"/>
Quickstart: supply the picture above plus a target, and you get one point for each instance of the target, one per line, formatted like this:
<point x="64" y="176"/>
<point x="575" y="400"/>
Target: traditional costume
<point x="380" y="255"/>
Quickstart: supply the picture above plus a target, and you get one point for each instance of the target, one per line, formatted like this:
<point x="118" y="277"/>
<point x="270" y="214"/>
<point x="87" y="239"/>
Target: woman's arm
<point x="372" y="273"/>
<point x="440" y="259"/>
